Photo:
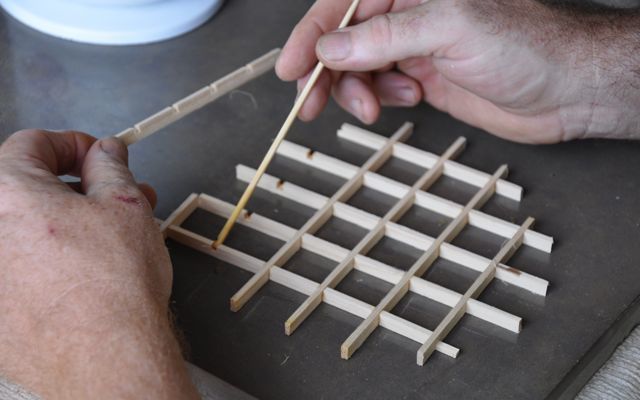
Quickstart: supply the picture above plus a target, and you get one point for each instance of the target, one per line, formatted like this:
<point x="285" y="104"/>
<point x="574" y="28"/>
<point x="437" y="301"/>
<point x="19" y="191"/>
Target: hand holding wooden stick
<point x="279" y="138"/>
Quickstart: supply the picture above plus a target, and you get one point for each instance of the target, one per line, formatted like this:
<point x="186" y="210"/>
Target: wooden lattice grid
<point x="378" y="227"/>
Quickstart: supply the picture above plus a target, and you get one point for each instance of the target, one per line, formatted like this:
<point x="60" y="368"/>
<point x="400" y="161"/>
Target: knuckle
<point x="382" y="30"/>
<point x="28" y="133"/>
<point x="20" y="136"/>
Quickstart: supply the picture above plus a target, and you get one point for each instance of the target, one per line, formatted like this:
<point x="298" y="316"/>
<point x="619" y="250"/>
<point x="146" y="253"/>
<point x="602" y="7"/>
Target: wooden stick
<point x="424" y="199"/>
<point x="357" y="338"/>
<point x="425" y="159"/>
<point x="370" y="239"/>
<point x="394" y="231"/>
<point x="306" y="286"/>
<point x="316" y="221"/>
<point x="199" y="98"/>
<point x="279" y="137"/>
<point x="362" y="263"/>
<point x="180" y="214"/>
<point x="454" y="315"/>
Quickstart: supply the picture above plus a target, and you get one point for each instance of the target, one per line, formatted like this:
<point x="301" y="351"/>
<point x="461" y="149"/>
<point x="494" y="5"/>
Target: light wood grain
<point x="371" y="238"/>
<point x="481" y="282"/>
<point x="363" y="263"/>
<point x="305" y="286"/>
<point x="199" y="99"/>
<point x="316" y="221"/>
<point x="424" y="199"/>
<point x="180" y="214"/>
<point x="418" y="240"/>
<point x="362" y="332"/>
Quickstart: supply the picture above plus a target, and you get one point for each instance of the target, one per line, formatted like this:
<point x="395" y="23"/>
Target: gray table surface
<point x="585" y="194"/>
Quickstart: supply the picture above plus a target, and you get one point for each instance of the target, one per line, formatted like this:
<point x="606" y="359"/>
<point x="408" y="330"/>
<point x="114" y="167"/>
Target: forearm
<point x="589" y="56"/>
<point x="601" y="49"/>
<point x="615" y="40"/>
<point x="125" y="349"/>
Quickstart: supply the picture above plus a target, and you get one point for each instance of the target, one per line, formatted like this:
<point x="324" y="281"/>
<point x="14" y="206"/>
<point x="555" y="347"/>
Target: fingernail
<point x="335" y="46"/>
<point x="113" y="148"/>
<point x="356" y="107"/>
<point x="406" y="95"/>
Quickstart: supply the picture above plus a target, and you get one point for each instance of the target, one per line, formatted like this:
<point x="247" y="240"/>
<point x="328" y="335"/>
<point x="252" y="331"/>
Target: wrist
<point x="609" y="76"/>
<point x="82" y="332"/>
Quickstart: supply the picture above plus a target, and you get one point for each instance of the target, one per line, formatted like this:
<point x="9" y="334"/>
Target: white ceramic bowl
<point x="113" y="22"/>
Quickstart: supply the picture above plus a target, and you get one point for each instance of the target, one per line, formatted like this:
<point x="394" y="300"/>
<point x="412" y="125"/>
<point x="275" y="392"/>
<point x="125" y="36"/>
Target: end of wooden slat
<point x="235" y="305"/>
<point x="424" y="354"/>
<point x="519" y="194"/>
<point x="345" y="352"/>
<point x="288" y="328"/>
<point x="128" y="136"/>
<point x="406" y="130"/>
<point x="542" y="291"/>
<point x="503" y="171"/>
<point x="519" y="328"/>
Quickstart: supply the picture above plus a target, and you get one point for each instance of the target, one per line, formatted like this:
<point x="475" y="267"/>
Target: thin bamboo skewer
<point x="279" y="137"/>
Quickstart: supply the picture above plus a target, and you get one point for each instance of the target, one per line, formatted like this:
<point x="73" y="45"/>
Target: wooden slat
<point x="317" y="220"/>
<point x="481" y="282"/>
<point x="395" y="231"/>
<point x="180" y="214"/>
<point x="363" y="263"/>
<point x="423" y="199"/>
<point x="199" y="99"/>
<point x="357" y="338"/>
<point x="306" y="286"/>
<point x="369" y="240"/>
<point x="427" y="160"/>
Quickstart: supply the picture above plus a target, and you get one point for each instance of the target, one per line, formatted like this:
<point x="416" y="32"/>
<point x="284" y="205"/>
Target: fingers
<point x="150" y="193"/>
<point x="354" y="93"/>
<point x="105" y="174"/>
<point x="298" y="55"/>
<point x="318" y="97"/>
<point x="59" y="153"/>
<point x="417" y="31"/>
<point x="396" y="89"/>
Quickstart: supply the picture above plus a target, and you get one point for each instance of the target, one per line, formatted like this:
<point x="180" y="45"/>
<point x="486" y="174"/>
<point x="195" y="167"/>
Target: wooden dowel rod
<point x="481" y="282"/>
<point x="304" y="94"/>
<point x="199" y="99"/>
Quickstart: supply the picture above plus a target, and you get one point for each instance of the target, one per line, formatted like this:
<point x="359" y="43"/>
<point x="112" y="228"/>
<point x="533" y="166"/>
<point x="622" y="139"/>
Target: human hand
<point x="86" y="277"/>
<point x="519" y="69"/>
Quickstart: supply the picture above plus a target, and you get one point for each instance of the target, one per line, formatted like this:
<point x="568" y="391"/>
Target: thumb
<point x="105" y="173"/>
<point x="384" y="39"/>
